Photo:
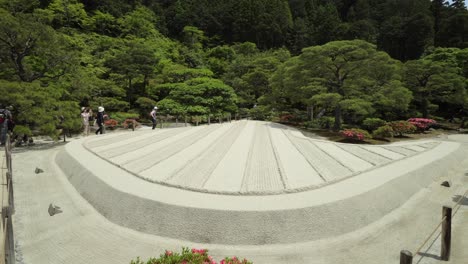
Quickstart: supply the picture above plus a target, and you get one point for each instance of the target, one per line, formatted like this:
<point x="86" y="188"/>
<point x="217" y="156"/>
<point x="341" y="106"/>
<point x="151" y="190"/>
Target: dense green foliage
<point x="326" y="62"/>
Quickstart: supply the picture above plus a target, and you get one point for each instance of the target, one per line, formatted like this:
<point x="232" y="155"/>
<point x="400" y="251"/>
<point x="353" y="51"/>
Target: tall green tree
<point x="31" y="50"/>
<point x="135" y="60"/>
<point x="436" y="80"/>
<point x="341" y="74"/>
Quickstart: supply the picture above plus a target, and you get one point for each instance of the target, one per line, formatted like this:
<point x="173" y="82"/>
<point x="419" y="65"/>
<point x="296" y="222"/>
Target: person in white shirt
<point x="153" y="116"/>
<point x="85" y="119"/>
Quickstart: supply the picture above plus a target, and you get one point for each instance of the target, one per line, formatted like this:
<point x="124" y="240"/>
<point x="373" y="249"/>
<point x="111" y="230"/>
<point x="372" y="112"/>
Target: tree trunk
<point x="310" y="113"/>
<point x="425" y="108"/>
<point x="337" y="125"/>
<point x="321" y="113"/>
<point x="209" y="121"/>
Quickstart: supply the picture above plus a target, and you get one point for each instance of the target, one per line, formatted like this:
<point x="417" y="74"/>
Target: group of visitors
<point x="6" y="123"/>
<point x="88" y="117"/>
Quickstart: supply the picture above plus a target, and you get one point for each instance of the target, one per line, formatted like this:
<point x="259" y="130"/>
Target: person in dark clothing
<point x="5" y="119"/>
<point x="100" y="120"/>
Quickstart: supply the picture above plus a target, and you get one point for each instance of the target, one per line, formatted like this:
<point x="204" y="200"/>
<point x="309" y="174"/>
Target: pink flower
<point x="168" y="253"/>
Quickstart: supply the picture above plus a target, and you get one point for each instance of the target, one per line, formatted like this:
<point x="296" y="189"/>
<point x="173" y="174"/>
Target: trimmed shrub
<point x="372" y="124"/>
<point x="326" y="122"/>
<point x="385" y="131"/>
<point x="402" y="127"/>
<point x="311" y="124"/>
<point x="355" y="134"/>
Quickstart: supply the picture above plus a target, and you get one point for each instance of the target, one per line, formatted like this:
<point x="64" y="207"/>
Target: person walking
<point x="153" y="116"/>
<point x="5" y="118"/>
<point x="85" y="120"/>
<point x="100" y="120"/>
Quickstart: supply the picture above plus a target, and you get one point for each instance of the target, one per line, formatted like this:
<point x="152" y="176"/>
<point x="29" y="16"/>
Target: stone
<point x="446" y="183"/>
<point x="54" y="209"/>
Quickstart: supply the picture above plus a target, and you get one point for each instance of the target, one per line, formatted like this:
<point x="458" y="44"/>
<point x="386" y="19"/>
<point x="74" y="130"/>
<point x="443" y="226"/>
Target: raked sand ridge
<point x="244" y="157"/>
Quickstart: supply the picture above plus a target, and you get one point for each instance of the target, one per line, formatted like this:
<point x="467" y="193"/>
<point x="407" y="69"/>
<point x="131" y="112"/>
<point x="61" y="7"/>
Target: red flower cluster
<point x="111" y="123"/>
<point x="422" y="123"/>
<point x="198" y="251"/>
<point x="286" y="118"/>
<point x="354" y="133"/>
<point x="234" y="260"/>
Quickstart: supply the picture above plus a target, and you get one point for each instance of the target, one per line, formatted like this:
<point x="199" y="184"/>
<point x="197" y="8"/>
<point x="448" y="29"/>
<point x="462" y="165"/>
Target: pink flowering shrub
<point x="355" y="134"/>
<point x="402" y="127"/>
<point x="422" y="123"/>
<point x="193" y="256"/>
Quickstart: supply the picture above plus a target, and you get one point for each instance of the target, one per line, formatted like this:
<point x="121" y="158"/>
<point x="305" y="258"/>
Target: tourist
<point x="85" y="120"/>
<point x="5" y="119"/>
<point x="100" y="120"/>
<point x="153" y="116"/>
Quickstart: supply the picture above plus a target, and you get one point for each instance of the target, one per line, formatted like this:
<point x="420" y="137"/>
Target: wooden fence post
<point x="406" y="257"/>
<point x="446" y="233"/>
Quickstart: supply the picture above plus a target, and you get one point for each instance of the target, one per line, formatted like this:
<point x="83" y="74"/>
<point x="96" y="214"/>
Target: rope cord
<point x="457" y="206"/>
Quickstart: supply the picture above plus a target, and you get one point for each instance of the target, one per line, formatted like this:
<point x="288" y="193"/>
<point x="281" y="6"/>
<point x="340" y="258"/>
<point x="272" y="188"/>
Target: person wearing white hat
<point x="100" y="120"/>
<point x="153" y="116"/>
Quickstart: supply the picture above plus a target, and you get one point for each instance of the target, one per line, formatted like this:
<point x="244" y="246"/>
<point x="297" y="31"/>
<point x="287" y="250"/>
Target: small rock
<point x="38" y="170"/>
<point x="446" y="183"/>
<point x="54" y="209"/>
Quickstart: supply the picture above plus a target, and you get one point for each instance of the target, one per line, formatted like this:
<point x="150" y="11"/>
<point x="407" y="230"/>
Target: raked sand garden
<point x="255" y="189"/>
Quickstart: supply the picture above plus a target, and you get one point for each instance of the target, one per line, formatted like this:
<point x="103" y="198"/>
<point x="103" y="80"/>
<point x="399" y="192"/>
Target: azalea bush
<point x="355" y="134"/>
<point x="130" y="123"/>
<point x="187" y="256"/>
<point x="111" y="123"/>
<point x="402" y="127"/>
<point x="286" y="118"/>
<point x="422" y="124"/>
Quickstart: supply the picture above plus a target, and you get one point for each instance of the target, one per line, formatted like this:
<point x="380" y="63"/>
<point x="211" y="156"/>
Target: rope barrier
<point x="440" y="223"/>
<point x="6" y="249"/>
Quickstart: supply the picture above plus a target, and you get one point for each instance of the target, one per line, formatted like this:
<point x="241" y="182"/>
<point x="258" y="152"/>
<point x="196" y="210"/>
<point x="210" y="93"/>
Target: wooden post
<point x="446" y="233"/>
<point x="185" y="120"/>
<point x="406" y="257"/>
<point x="209" y="120"/>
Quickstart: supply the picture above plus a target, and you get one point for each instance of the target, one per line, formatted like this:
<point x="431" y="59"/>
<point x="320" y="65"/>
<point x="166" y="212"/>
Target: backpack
<point x="3" y="115"/>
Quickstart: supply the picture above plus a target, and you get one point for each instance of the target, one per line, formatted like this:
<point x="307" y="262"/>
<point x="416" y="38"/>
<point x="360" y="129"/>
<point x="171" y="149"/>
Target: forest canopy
<point x="342" y="61"/>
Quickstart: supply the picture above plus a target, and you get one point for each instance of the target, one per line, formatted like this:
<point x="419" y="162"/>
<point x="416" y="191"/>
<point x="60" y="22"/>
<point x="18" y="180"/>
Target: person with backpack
<point x="100" y="120"/>
<point x="153" y="116"/>
<point x="5" y="119"/>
